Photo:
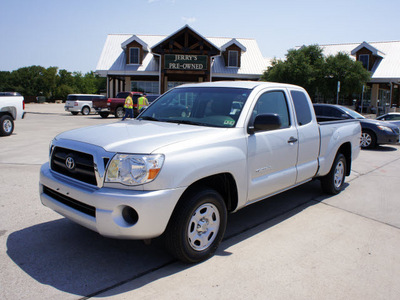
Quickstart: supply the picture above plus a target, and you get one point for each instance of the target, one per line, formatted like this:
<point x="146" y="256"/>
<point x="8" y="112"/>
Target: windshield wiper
<point x="187" y="122"/>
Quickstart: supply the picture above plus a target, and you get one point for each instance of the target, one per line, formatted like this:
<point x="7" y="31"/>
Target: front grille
<point x="80" y="166"/>
<point x="75" y="204"/>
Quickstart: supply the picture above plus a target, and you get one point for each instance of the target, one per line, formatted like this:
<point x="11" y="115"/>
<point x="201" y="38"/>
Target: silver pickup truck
<point x="197" y="153"/>
<point x="12" y="108"/>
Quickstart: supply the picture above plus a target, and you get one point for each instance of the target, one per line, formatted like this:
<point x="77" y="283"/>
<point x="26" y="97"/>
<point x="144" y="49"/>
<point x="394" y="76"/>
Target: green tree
<point x="351" y="75"/>
<point x="302" y="67"/>
<point x="5" y="83"/>
<point x="52" y="83"/>
<point x="307" y="67"/>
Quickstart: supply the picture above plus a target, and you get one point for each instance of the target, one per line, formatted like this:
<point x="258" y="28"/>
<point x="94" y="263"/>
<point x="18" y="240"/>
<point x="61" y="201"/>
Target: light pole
<point x="338" y="91"/>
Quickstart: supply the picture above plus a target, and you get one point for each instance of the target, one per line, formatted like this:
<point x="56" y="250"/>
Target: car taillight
<point x="23" y="104"/>
<point x="75" y="103"/>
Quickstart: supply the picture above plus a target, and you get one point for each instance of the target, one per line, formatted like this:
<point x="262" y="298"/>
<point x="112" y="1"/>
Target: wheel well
<point x="9" y="111"/>
<point x="224" y="184"/>
<point x="345" y="149"/>
<point x="370" y="131"/>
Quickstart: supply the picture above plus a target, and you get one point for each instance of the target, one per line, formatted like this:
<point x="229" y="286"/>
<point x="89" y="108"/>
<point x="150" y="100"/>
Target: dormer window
<point x="364" y="59"/>
<point x="134" y="57"/>
<point x="233" y="58"/>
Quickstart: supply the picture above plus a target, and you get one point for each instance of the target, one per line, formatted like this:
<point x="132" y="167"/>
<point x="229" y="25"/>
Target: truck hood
<point x="138" y="136"/>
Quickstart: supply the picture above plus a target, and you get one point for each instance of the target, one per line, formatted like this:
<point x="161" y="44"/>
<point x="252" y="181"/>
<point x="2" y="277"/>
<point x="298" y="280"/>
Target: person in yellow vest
<point x="128" y="107"/>
<point x="142" y="102"/>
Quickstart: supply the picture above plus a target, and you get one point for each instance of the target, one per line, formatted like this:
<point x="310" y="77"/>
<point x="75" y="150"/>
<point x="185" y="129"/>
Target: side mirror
<point x="345" y="116"/>
<point x="265" y="122"/>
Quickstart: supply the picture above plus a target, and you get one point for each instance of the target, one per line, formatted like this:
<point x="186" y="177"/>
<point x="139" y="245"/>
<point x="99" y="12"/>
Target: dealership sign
<point x="185" y="62"/>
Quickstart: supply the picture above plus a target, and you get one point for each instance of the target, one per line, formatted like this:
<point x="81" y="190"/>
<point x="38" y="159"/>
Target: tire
<point x="119" y="112"/>
<point x="7" y="125"/>
<point x="368" y="139"/>
<point x="333" y="182"/>
<point x="74" y="113"/>
<point x="104" y="114"/>
<point x="85" y="110"/>
<point x="197" y="225"/>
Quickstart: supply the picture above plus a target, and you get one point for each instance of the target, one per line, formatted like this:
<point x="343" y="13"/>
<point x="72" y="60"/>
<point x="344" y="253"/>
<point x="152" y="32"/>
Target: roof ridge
<point x="357" y="43"/>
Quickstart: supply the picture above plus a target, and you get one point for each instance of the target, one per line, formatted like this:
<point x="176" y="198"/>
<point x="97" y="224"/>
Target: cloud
<point x="189" y="20"/>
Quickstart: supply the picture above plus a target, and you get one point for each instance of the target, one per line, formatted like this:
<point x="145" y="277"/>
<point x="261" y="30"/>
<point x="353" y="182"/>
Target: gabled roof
<point x="374" y="51"/>
<point x="233" y="42"/>
<point x="181" y="30"/>
<point x="387" y="67"/>
<point x="134" y="38"/>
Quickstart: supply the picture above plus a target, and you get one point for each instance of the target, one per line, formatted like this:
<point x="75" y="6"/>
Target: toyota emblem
<point x="70" y="163"/>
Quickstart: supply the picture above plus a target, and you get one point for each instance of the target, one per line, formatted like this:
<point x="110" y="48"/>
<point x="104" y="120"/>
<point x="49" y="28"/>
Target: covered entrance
<point x="185" y="57"/>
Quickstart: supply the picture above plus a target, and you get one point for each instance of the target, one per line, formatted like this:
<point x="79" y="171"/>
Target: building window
<point x="134" y="56"/>
<point x="364" y="59"/>
<point x="233" y="59"/>
<point x="149" y="87"/>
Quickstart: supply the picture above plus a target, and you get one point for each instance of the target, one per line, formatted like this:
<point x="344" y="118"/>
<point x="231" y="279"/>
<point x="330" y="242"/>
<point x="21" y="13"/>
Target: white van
<point x="81" y="103"/>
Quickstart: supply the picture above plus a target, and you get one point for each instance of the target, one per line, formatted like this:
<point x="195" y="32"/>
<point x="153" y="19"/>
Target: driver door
<point x="272" y="155"/>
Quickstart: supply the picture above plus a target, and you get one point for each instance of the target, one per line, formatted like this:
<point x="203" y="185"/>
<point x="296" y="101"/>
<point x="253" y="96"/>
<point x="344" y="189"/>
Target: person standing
<point x="142" y="102"/>
<point x="128" y="106"/>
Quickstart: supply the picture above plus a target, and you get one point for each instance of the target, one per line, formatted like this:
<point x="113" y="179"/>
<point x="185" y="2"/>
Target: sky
<point x="70" y="34"/>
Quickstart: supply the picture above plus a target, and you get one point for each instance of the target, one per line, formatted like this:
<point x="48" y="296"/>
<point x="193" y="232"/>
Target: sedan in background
<point x="374" y="132"/>
<point x="393" y="118"/>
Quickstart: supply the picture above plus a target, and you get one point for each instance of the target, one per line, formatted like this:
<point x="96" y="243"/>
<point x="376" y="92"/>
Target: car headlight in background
<point x="134" y="169"/>
<point x="385" y="128"/>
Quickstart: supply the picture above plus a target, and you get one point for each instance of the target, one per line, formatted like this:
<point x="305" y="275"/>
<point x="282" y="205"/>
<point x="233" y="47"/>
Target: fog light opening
<point x="130" y="215"/>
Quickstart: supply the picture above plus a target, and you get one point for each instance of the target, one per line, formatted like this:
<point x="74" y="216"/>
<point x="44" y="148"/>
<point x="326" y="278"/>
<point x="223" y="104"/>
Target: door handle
<point x="292" y="140"/>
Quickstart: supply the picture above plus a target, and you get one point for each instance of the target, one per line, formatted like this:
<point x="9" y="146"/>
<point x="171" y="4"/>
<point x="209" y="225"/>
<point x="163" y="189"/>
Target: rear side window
<point x="327" y="111"/>
<point x="302" y="107"/>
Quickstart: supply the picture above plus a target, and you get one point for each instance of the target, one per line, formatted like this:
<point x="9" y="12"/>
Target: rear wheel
<point x="333" y="182"/>
<point x="197" y="225"/>
<point x="7" y="125"/>
<point x="119" y="112"/>
<point x="85" y="110"/>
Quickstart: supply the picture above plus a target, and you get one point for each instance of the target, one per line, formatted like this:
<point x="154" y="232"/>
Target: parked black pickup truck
<point x="374" y="132"/>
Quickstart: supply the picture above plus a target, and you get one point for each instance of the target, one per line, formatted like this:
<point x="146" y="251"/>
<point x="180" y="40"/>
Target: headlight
<point x="134" y="169"/>
<point x="385" y="128"/>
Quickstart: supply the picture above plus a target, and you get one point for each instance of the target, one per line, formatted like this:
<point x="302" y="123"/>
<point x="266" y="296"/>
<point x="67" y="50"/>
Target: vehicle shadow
<point x="78" y="261"/>
<point x="381" y="148"/>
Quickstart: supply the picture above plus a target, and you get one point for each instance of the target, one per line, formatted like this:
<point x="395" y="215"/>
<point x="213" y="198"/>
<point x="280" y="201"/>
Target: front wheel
<point x="7" y="125"/>
<point x="333" y="182"/>
<point x="197" y="225"/>
<point x="368" y="140"/>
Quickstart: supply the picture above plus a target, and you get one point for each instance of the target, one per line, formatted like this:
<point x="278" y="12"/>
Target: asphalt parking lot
<point x="300" y="244"/>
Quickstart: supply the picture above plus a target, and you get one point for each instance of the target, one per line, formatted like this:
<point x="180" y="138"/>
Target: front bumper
<point x="387" y="138"/>
<point x="104" y="209"/>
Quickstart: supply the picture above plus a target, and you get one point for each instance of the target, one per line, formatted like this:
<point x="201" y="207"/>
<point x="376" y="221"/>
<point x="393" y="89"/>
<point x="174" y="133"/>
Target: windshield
<point x="353" y="113"/>
<point x="204" y="106"/>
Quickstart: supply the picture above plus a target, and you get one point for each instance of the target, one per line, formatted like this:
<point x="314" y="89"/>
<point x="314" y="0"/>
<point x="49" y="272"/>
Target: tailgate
<point x="99" y="103"/>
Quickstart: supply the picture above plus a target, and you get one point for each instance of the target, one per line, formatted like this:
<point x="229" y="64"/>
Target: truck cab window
<point x="303" y="109"/>
<point x="273" y="103"/>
